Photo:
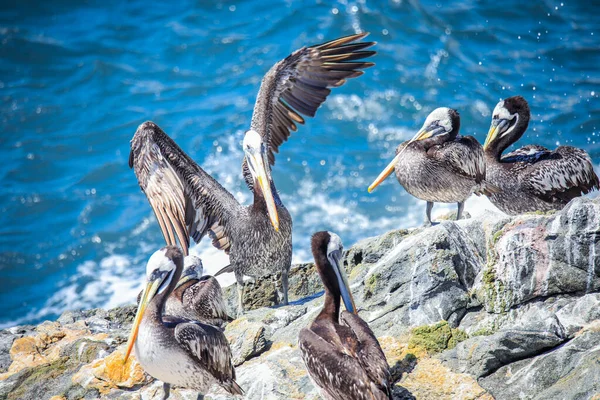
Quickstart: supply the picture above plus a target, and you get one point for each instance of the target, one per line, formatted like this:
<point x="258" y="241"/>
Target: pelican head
<point x="258" y="164"/>
<point x="192" y="269"/>
<point x="508" y="114"/>
<point x="331" y="245"/>
<point x="441" y="125"/>
<point x="163" y="266"/>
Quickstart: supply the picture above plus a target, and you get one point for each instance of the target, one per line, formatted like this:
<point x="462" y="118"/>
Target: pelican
<point x="341" y="353"/>
<point x="177" y="351"/>
<point x="197" y="297"/>
<point x="532" y="178"/>
<point x="190" y="203"/>
<point x="439" y="165"/>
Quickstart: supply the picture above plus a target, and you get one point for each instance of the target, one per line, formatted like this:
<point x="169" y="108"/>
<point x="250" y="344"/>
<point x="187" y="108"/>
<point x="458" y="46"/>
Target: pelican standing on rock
<point x="177" y="351"/>
<point x="190" y="203"/>
<point x="532" y="178"/>
<point x="341" y="353"/>
<point x="438" y="165"/>
<point x="197" y="297"/>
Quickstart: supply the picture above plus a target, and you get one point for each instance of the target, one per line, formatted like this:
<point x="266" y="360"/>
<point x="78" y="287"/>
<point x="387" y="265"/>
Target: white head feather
<point x="194" y="262"/>
<point x="335" y="243"/>
<point x="252" y="140"/>
<point x="502" y="113"/>
<point x="159" y="261"/>
<point x="442" y="115"/>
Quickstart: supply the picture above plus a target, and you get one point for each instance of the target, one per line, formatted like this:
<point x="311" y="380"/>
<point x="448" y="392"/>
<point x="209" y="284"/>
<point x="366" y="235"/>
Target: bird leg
<point x="239" y="277"/>
<point x="284" y="285"/>
<point x="459" y="212"/>
<point x="428" y="213"/>
<point x="167" y="390"/>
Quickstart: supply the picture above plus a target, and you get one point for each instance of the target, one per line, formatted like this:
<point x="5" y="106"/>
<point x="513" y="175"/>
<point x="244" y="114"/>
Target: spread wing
<point x="300" y="83"/>
<point x="370" y="355"/>
<point x="208" y="345"/>
<point x="463" y="156"/>
<point x="186" y="200"/>
<point x="561" y="175"/>
<point x="338" y="374"/>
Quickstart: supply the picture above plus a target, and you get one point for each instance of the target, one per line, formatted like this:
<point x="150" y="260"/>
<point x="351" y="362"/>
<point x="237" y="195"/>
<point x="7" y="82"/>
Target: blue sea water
<point x="78" y="77"/>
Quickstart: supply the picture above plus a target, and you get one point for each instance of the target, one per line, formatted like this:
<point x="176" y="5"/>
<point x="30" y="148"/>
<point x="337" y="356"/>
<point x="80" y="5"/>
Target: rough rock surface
<point x="490" y="307"/>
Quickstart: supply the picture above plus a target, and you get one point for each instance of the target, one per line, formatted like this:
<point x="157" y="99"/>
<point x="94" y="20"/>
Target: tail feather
<point x="233" y="388"/>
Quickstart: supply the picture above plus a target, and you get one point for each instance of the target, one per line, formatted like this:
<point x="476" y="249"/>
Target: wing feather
<point x="370" y="355"/>
<point x="561" y="175"/>
<point x="300" y="83"/>
<point x="186" y="200"/>
<point x="210" y="347"/>
<point x="338" y="374"/>
<point x="464" y="157"/>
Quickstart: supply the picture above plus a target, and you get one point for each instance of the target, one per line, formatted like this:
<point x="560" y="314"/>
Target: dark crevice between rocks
<point x="526" y="356"/>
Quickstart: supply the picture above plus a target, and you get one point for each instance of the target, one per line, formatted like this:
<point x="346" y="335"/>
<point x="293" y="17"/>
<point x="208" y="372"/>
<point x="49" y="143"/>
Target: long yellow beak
<point x="265" y="186"/>
<point x="148" y="294"/>
<point x="492" y="133"/>
<point x="422" y="134"/>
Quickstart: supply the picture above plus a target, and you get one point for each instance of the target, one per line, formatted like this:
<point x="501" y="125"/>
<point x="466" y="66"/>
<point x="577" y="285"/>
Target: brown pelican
<point x="439" y="165"/>
<point x="177" y="351"/>
<point x="190" y="203"/>
<point x="197" y="297"/>
<point x="341" y="353"/>
<point x="532" y="178"/>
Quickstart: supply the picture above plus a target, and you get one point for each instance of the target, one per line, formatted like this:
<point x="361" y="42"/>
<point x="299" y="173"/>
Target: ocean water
<point x="77" y="78"/>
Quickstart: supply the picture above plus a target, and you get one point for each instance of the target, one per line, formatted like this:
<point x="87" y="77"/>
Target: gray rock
<point x="482" y="355"/>
<point x="525" y="289"/>
<point x="571" y="371"/>
<point x="543" y="255"/>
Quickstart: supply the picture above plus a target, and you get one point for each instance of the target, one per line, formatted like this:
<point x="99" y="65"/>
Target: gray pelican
<point x="439" y="165"/>
<point x="177" y="351"/>
<point x="190" y="203"/>
<point x="341" y="353"/>
<point x="197" y="297"/>
<point x="532" y="178"/>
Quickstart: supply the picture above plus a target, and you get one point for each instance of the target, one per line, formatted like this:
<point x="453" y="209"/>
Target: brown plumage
<point x="188" y="202"/>
<point x="532" y="178"/>
<point x="341" y="353"/>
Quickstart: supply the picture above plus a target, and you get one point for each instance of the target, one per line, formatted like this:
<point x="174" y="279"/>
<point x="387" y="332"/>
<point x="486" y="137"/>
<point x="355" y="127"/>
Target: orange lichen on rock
<point x="110" y="373"/>
<point x="432" y="380"/>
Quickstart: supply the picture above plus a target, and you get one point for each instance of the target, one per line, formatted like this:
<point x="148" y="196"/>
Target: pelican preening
<point x="532" y="178"/>
<point x="197" y="297"/>
<point x="190" y="203"/>
<point x="341" y="353"/>
<point x="177" y="351"/>
<point x="437" y="165"/>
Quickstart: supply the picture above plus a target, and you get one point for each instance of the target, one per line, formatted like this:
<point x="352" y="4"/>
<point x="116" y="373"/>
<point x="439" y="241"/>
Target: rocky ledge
<point x="489" y="307"/>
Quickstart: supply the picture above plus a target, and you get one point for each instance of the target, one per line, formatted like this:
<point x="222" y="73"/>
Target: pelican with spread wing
<point x="188" y="202"/>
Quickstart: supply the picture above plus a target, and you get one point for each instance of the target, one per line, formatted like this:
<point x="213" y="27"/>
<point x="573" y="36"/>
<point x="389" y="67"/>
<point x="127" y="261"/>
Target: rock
<point x="572" y="371"/>
<point x="497" y="306"/>
<point x="247" y="339"/>
<point x="303" y="281"/>
<point x="543" y="255"/>
<point x="110" y="372"/>
<point x="432" y="380"/>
